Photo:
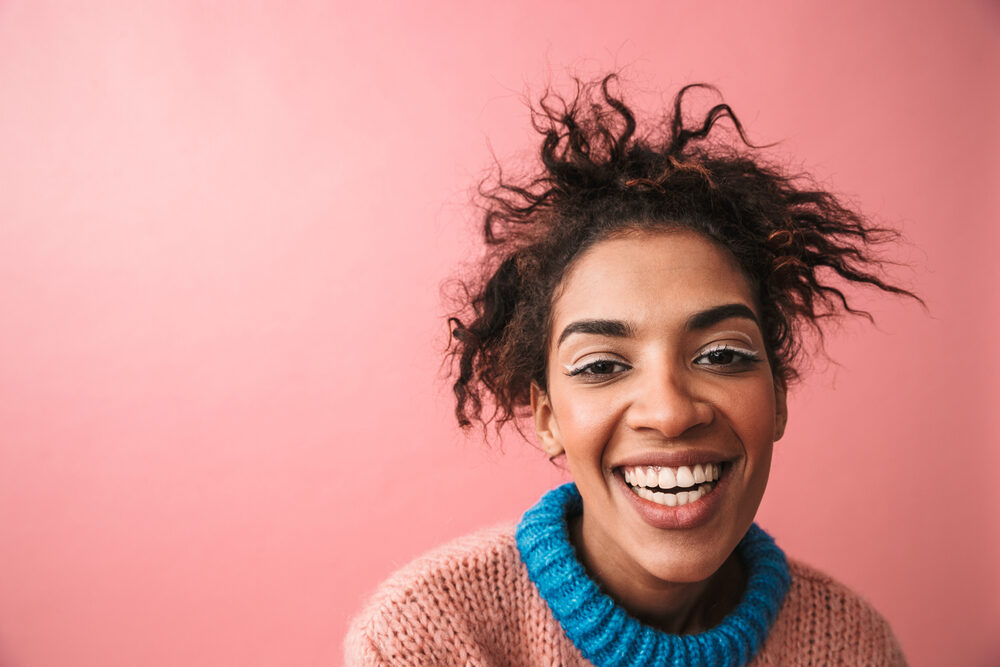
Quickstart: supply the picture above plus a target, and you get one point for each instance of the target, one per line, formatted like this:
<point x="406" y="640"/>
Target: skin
<point x="656" y="386"/>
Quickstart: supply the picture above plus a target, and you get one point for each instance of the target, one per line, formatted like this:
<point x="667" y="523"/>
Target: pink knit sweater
<point x="471" y="602"/>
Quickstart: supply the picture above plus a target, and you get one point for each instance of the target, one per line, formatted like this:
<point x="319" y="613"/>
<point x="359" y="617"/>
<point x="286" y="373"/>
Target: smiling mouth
<point x="673" y="487"/>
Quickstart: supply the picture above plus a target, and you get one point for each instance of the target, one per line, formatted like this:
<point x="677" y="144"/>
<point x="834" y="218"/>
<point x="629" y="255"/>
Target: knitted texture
<point x="606" y="634"/>
<point x="473" y="602"/>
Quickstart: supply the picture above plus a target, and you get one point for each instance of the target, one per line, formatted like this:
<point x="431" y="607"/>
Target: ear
<point x="546" y="427"/>
<point x="780" y="409"/>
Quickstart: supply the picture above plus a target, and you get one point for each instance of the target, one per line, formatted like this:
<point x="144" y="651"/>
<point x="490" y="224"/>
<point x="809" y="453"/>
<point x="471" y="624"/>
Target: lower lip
<point x="691" y="515"/>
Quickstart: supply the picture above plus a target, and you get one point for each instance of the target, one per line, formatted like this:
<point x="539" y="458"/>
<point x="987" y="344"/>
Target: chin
<point x="687" y="563"/>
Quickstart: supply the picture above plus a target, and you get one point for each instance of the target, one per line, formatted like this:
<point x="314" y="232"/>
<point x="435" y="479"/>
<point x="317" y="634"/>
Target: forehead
<point x="667" y="274"/>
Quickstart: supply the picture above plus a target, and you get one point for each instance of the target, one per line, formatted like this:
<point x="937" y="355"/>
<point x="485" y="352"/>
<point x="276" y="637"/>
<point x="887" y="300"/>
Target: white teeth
<point x="674" y="499"/>
<point x="697" y="480"/>
<point x="699" y="474"/>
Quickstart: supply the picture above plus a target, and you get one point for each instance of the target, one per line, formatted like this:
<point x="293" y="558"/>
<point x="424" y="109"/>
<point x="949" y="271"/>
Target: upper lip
<point x="673" y="458"/>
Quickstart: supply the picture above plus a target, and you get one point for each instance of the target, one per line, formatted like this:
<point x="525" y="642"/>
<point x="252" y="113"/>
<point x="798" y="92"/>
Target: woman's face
<point x="658" y="380"/>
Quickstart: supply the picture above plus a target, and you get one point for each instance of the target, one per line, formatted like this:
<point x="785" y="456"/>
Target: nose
<point x="666" y="401"/>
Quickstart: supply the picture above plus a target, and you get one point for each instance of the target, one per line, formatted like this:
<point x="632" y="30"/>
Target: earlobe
<point x="780" y="410"/>
<point x="546" y="427"/>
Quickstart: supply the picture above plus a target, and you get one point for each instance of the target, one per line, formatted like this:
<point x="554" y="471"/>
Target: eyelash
<point x="582" y="370"/>
<point x="742" y="356"/>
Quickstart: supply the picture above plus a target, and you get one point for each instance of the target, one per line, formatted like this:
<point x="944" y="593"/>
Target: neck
<point x="673" y="607"/>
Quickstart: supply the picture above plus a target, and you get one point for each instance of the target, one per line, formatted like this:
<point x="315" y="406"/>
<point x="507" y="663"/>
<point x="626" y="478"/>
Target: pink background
<point x="222" y="234"/>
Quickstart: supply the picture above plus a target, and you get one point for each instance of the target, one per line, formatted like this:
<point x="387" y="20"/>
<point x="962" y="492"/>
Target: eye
<point x="599" y="369"/>
<point x="727" y="357"/>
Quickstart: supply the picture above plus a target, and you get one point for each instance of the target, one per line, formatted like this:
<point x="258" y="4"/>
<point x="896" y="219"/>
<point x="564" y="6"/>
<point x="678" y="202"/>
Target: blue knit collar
<point x="606" y="634"/>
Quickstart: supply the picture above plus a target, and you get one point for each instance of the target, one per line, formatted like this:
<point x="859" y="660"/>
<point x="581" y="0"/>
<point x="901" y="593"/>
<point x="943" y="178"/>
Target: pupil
<point x="720" y="356"/>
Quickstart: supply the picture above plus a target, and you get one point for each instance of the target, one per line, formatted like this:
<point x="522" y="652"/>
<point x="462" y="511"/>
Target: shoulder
<point x="451" y="563"/>
<point x="824" y="622"/>
<point x="467" y="601"/>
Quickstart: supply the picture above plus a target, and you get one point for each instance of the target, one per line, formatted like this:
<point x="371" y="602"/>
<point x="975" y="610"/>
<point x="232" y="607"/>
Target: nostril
<point x="670" y="418"/>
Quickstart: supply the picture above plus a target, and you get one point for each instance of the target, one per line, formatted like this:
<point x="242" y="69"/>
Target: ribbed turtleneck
<point x="601" y="628"/>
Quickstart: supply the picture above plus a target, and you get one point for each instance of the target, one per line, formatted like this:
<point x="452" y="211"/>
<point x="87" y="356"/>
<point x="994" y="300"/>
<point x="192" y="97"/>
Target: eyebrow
<point x="712" y="316"/>
<point x="612" y="328"/>
<point x="620" y="329"/>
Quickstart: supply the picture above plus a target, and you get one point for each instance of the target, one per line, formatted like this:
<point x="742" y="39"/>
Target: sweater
<point x="517" y="595"/>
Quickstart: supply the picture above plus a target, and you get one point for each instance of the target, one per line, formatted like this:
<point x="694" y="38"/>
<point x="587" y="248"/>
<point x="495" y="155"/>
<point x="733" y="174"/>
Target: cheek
<point x="748" y="413"/>
<point x="586" y="421"/>
<point x="752" y="416"/>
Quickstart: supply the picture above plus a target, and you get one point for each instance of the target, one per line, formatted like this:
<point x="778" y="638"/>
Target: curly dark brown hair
<point x="597" y="178"/>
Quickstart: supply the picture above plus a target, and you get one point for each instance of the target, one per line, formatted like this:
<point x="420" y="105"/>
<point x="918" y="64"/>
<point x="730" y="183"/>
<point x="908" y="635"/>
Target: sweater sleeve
<point x="466" y="602"/>
<point x="360" y="650"/>
<point x="394" y="628"/>
<point x="823" y="622"/>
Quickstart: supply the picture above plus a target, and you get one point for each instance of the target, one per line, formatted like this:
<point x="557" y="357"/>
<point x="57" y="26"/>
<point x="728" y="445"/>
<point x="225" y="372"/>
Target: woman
<point x="643" y="300"/>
